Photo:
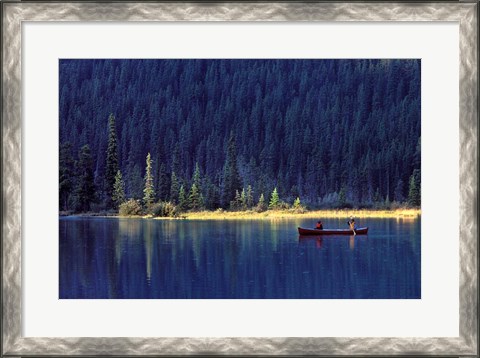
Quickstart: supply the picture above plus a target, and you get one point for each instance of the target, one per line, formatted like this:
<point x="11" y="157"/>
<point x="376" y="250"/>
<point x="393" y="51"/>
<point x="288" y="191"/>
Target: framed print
<point x="277" y="178"/>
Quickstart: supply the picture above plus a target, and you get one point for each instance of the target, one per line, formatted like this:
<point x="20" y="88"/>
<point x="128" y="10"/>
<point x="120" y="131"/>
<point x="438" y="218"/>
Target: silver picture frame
<point x="14" y="13"/>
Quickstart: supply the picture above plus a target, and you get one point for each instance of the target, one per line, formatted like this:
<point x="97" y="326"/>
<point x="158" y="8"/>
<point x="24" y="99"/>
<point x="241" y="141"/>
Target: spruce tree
<point x="111" y="166"/>
<point x="148" y="191"/>
<point x="243" y="200"/>
<point x="296" y="203"/>
<point x="414" y="189"/>
<point x="163" y="185"/>
<point x="118" y="195"/>
<point x="261" y="206"/>
<point x="249" y="199"/>
<point x="182" y="199"/>
<point x="196" y="177"/>
<point x="85" y="190"/>
<point x="236" y="204"/>
<point x="231" y="176"/>
<point x="66" y="175"/>
<point x="274" y="200"/>
<point x="195" y="200"/>
<point x="174" y="188"/>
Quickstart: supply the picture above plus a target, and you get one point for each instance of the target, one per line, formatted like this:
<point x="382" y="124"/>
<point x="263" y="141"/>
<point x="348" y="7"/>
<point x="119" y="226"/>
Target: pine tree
<point x="85" y="190"/>
<point x="231" y="176"/>
<point x="243" y="200"/>
<point x="118" y="195"/>
<point x="196" y="177"/>
<point x="274" y="200"/>
<point x="66" y="175"/>
<point x="148" y="191"/>
<point x="296" y="203"/>
<point x="182" y="199"/>
<point x="414" y="189"/>
<point x="111" y="166"/>
<point x="249" y="199"/>
<point x="195" y="200"/>
<point x="174" y="188"/>
<point x="163" y="185"/>
<point x="261" y="206"/>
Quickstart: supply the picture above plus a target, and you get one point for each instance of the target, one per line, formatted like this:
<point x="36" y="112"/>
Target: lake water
<point x="184" y="259"/>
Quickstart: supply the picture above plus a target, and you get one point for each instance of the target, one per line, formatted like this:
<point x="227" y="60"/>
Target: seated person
<point x="319" y="226"/>
<point x="351" y="223"/>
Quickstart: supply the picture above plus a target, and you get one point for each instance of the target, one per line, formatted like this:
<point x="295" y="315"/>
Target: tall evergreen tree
<point x="66" y="175"/>
<point x="249" y="198"/>
<point x="174" y="188"/>
<point x="243" y="200"/>
<point x="85" y="190"/>
<point x="414" y="189"/>
<point x="148" y="190"/>
<point x="111" y="166"/>
<point x="182" y="199"/>
<point x="231" y="176"/>
<point x="118" y="195"/>
<point x="163" y="189"/>
<point x="195" y="200"/>
<point x="274" y="200"/>
<point x="196" y="177"/>
<point x="261" y="205"/>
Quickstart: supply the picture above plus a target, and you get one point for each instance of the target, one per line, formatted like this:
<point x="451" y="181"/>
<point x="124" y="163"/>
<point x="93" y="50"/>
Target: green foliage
<point x="231" y="176"/>
<point x="118" y="195"/>
<point x="195" y="200"/>
<point x="163" y="188"/>
<point x="360" y="129"/>
<point x="274" y="200"/>
<point x="164" y="209"/>
<point x="66" y="175"/>
<point x="182" y="199"/>
<point x="196" y="178"/>
<point x="111" y="166"/>
<point x="243" y="200"/>
<point x="296" y="203"/>
<point x="134" y="182"/>
<point x="85" y="189"/>
<point x="174" y="188"/>
<point x="249" y="197"/>
<point x="236" y="204"/>
<point x="414" y="189"/>
<point x="342" y="198"/>
<point x="298" y="207"/>
<point x="148" y="191"/>
<point x="130" y="207"/>
<point x="261" y="205"/>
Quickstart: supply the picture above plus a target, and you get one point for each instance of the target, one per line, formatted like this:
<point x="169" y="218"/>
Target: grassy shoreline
<point x="280" y="214"/>
<point x="285" y="214"/>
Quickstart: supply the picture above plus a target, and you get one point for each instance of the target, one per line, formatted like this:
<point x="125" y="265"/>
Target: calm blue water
<point x="140" y="258"/>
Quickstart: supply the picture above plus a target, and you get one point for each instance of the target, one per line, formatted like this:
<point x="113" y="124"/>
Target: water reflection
<point x="129" y="258"/>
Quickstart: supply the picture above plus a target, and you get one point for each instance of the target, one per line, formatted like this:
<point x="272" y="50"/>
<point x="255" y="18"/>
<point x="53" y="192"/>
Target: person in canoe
<point x="319" y="225"/>
<point x="352" y="225"/>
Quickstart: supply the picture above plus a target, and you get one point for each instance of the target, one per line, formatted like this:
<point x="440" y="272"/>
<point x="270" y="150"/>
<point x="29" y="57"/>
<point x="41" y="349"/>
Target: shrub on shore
<point x="130" y="208"/>
<point x="164" y="209"/>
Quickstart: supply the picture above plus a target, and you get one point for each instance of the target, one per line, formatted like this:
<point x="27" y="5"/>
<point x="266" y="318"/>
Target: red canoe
<point x="359" y="231"/>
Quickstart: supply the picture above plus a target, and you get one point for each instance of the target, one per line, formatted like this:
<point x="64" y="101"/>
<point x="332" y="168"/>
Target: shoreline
<point x="275" y="214"/>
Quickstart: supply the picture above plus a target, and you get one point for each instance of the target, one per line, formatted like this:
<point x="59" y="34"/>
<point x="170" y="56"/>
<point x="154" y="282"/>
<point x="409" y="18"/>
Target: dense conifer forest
<point x="237" y="134"/>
